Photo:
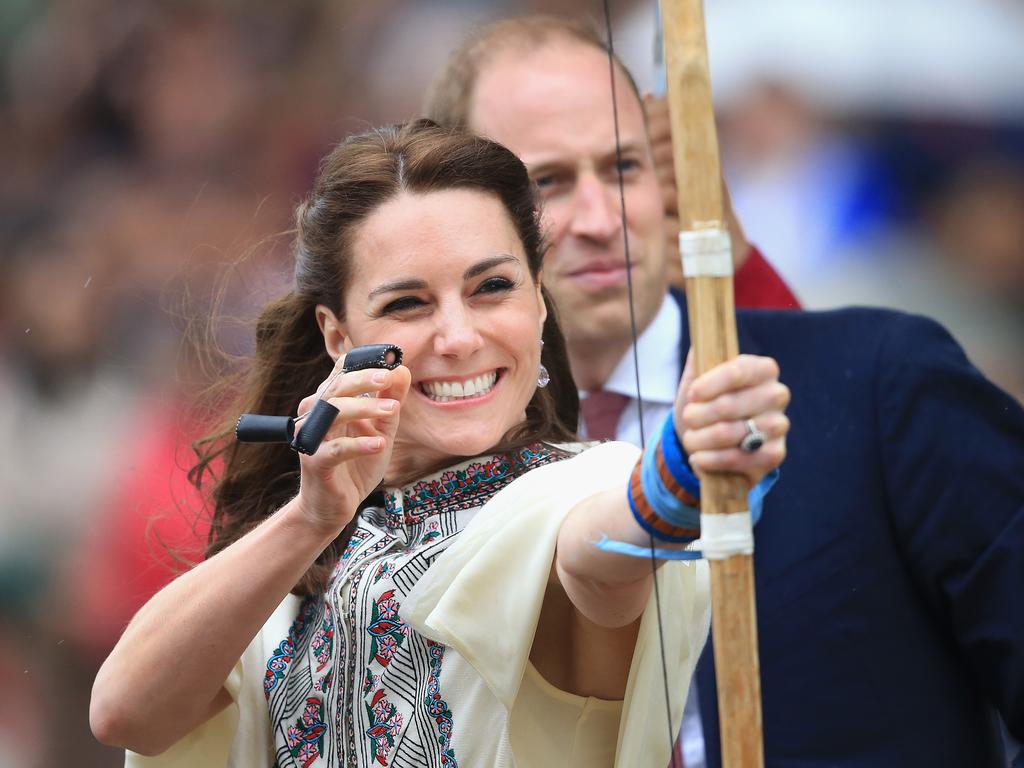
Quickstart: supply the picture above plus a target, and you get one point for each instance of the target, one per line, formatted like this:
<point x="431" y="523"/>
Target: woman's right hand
<point x="355" y="452"/>
<point x="146" y="696"/>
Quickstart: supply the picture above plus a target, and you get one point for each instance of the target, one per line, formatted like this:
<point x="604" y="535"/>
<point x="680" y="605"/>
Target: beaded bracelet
<point x="650" y="516"/>
<point x="664" y="496"/>
<point x="675" y="458"/>
<point x="658" y="491"/>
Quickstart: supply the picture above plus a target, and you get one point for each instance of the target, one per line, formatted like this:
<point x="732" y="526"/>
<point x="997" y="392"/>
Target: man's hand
<point x="659" y="129"/>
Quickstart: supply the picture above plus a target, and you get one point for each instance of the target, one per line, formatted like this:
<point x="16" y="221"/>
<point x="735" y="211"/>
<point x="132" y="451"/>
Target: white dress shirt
<point x="658" y="361"/>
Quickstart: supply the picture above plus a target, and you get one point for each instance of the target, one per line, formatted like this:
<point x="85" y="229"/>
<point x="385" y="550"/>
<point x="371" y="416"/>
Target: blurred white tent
<point x="962" y="58"/>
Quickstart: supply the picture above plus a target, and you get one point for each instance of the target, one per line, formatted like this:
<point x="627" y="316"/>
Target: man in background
<point x="888" y="561"/>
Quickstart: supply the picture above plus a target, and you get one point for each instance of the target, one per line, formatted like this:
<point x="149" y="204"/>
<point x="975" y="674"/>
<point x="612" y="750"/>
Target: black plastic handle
<point x="256" y="428"/>
<point x="373" y="356"/>
<point x="313" y="429"/>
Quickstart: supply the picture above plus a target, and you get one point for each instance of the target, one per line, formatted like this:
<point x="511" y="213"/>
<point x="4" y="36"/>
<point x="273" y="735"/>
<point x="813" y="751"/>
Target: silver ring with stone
<point x="754" y="438"/>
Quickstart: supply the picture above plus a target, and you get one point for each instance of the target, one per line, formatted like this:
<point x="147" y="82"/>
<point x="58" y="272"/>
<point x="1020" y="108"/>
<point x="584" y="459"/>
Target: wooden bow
<point x="712" y="319"/>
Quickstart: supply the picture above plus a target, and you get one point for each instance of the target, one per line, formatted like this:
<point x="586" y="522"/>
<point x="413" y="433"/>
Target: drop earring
<point x="543" y="378"/>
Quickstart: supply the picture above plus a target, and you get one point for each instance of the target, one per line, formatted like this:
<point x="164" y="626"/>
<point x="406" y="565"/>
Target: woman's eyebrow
<point x="482" y="266"/>
<point x="414" y="284"/>
<point x="409" y="284"/>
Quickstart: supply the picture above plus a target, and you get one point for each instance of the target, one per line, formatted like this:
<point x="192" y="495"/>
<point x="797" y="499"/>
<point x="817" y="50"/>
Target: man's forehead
<point x="554" y="102"/>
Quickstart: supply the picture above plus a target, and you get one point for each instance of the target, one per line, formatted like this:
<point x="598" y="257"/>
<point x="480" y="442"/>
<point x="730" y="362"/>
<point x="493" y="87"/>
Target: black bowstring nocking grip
<point x="257" y="428"/>
<point x="373" y="356"/>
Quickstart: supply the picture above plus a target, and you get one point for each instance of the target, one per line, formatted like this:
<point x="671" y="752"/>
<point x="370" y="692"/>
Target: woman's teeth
<point x="443" y="391"/>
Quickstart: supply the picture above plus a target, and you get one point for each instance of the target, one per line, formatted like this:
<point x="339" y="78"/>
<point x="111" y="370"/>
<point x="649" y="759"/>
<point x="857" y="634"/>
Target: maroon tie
<point x="677" y="750"/>
<point x="601" y="411"/>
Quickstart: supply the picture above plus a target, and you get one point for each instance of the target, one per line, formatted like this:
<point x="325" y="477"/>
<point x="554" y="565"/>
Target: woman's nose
<point x="457" y="334"/>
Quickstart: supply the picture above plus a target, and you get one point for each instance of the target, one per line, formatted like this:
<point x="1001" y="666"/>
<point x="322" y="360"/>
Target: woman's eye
<point x="398" y="305"/>
<point x="495" y="285"/>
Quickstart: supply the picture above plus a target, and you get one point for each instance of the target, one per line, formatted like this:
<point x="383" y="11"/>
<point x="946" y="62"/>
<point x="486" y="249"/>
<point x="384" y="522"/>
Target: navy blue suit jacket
<point x="889" y="562"/>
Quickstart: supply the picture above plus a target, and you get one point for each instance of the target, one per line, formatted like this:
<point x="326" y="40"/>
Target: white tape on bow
<point x="723" y="536"/>
<point x="706" y="253"/>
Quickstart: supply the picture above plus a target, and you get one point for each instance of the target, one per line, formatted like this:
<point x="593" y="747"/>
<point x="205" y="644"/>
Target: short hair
<point x="449" y="97"/>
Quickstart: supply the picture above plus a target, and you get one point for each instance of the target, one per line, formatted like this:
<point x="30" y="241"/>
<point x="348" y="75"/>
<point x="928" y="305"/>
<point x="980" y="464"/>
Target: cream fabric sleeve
<point x="239" y="736"/>
<point x="483" y="597"/>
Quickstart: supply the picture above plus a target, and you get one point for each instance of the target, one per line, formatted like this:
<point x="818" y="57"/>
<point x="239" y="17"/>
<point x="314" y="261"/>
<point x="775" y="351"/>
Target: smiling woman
<point x="360" y="273"/>
<point x="424" y="589"/>
<point x="466" y="310"/>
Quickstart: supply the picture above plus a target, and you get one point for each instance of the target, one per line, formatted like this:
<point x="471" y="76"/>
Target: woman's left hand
<point x="712" y="410"/>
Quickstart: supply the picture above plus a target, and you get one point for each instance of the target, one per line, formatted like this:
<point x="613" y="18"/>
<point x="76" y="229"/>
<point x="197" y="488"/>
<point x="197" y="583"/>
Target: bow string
<point x="707" y="266"/>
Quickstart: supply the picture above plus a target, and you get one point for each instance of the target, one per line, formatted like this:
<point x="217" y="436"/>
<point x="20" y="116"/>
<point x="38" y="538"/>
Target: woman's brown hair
<point x="290" y="360"/>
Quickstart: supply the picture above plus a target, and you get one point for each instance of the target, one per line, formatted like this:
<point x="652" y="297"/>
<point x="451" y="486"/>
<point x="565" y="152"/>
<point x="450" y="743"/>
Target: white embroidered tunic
<point x="418" y="652"/>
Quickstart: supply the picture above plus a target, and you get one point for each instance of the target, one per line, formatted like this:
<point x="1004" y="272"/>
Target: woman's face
<point x="444" y="276"/>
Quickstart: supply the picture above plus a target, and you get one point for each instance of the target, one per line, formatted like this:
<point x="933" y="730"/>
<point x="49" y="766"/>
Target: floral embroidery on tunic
<point x="386" y="630"/>
<point x="306" y="736"/>
<point x="386" y="568"/>
<point x="438" y="707"/>
<point x="277" y="665"/>
<point x="386" y="725"/>
<point x="362" y="688"/>
<point x="431" y="533"/>
<point x="468" y="487"/>
<point x="323" y="641"/>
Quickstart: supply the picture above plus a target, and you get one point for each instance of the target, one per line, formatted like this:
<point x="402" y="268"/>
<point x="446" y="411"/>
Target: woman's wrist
<point x="305" y="520"/>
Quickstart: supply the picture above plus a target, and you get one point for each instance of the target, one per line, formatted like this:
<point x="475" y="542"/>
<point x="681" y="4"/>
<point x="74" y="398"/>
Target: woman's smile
<point x="460" y="390"/>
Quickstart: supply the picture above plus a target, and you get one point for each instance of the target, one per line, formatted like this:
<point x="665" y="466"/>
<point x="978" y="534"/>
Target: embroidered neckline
<point x="464" y="486"/>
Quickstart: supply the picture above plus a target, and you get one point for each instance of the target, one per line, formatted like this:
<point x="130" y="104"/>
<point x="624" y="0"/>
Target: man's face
<point x="553" y="108"/>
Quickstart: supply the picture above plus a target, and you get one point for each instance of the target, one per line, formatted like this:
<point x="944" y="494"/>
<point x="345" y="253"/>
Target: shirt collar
<point x="465" y="485"/>
<point x="658" y="358"/>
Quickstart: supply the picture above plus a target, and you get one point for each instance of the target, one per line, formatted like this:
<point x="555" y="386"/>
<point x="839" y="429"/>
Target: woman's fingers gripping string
<point x="336" y="371"/>
<point x="345" y="448"/>
<point x="360" y="427"/>
<point x="354" y="383"/>
<point x="350" y="409"/>
<point x="357" y="409"/>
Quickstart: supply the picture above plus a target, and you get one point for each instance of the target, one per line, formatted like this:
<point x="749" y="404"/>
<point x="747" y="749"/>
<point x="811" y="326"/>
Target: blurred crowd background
<point x="151" y="155"/>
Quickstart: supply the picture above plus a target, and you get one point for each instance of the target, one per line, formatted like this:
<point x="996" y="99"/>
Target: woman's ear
<point x="336" y="341"/>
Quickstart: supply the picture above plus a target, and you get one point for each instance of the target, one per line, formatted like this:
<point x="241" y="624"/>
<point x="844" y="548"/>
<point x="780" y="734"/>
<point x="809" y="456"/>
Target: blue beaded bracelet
<point x="675" y="458"/>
